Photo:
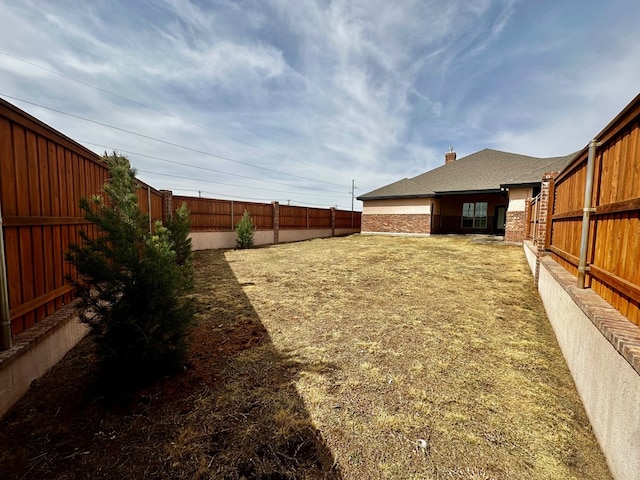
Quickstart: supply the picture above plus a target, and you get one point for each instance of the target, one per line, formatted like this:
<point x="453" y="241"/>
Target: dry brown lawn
<point x="429" y="358"/>
<point x="363" y="357"/>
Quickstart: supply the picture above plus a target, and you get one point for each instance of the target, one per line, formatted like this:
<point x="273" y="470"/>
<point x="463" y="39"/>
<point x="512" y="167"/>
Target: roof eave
<point x="365" y="198"/>
<point x="520" y="185"/>
<point x="468" y="192"/>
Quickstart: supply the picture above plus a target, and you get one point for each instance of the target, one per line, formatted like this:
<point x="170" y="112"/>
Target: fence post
<point x="307" y="218"/>
<point x="527" y="218"/>
<point x="5" y="317"/>
<point x="232" y="225"/>
<point x="543" y="210"/>
<point x="167" y="205"/>
<point x="550" y="207"/>
<point x="149" y="207"/>
<point x="276" y="222"/>
<point x="586" y="213"/>
<point x="333" y="221"/>
<point x="535" y="219"/>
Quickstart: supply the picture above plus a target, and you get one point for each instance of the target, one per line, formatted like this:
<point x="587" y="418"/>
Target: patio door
<point x="501" y="218"/>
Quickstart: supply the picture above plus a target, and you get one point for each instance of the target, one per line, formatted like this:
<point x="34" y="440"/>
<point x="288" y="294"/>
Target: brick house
<point x="484" y="192"/>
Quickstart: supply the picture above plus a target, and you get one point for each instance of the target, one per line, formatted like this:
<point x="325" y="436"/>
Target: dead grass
<point x="443" y="364"/>
<point x="355" y="358"/>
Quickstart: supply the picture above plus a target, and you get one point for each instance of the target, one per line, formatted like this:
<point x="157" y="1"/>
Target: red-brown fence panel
<point x="346" y="219"/>
<point x="319" y="218"/>
<point x="567" y="214"/>
<point x="150" y="198"/>
<point x="209" y="214"/>
<point x="43" y="175"/>
<point x="613" y="246"/>
<point x="532" y="215"/>
<point x="614" y="256"/>
<point x="292" y="218"/>
<point x="261" y="214"/>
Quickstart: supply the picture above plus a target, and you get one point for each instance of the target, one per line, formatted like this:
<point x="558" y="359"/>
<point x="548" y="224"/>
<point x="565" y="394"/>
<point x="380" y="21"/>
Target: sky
<point x="314" y="102"/>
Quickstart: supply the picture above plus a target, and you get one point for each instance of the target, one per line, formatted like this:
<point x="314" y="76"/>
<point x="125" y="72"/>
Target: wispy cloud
<point x="369" y="90"/>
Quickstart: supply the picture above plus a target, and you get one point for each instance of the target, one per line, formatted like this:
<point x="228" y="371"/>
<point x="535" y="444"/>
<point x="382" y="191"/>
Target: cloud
<point x="327" y="92"/>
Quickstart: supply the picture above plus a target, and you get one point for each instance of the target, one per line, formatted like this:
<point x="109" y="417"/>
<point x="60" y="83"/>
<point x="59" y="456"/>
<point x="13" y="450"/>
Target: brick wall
<point x="167" y="204"/>
<point x="396" y="223"/>
<point x="515" y="227"/>
<point x="528" y="230"/>
<point x="543" y="209"/>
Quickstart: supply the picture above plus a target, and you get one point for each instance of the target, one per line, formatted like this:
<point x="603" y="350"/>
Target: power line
<point x="199" y="167"/>
<point x="233" y="185"/>
<point x="167" y="142"/>
<point x="242" y="197"/>
<point x="163" y="112"/>
<point x="245" y="198"/>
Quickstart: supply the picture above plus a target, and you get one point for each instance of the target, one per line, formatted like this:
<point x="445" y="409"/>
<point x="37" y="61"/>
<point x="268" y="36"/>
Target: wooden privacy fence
<point x="532" y="218"/>
<point x="211" y="215"/>
<point x="43" y="176"/>
<point x="301" y="217"/>
<point x="612" y="243"/>
<point x="346" y="219"/>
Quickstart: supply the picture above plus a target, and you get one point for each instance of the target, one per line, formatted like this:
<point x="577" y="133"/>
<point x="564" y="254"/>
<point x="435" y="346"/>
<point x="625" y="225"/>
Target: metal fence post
<point x="535" y="219"/>
<point x="586" y="213"/>
<point x="5" y="317"/>
<point x="149" y="206"/>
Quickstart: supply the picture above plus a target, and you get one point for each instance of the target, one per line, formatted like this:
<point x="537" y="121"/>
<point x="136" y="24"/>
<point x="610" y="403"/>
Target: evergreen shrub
<point x="245" y="230"/>
<point x="134" y="284"/>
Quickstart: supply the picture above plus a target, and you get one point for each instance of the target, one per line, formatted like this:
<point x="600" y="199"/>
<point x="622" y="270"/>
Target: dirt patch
<point x="220" y="417"/>
<point x="360" y="357"/>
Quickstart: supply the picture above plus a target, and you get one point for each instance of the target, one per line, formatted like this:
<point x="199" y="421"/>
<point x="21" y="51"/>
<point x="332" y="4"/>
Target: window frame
<point x="471" y="217"/>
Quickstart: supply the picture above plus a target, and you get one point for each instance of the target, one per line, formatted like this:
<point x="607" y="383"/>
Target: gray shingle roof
<point x="483" y="171"/>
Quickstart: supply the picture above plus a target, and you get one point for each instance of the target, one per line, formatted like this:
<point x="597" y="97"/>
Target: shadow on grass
<point x="234" y="412"/>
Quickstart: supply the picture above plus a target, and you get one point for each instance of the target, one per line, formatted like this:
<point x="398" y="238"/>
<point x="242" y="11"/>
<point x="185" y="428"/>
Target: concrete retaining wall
<point x="530" y="253"/>
<point x="602" y="349"/>
<point x="35" y="351"/>
<point x="215" y="240"/>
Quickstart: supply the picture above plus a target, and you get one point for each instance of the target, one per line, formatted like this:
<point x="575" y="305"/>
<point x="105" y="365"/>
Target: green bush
<point x="133" y="283"/>
<point x="245" y="231"/>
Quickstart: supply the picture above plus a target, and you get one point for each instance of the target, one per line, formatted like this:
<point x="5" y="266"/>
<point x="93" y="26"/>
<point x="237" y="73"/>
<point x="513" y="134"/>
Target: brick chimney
<point x="450" y="156"/>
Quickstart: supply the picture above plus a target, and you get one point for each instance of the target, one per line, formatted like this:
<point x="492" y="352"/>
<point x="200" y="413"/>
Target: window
<point x="474" y="215"/>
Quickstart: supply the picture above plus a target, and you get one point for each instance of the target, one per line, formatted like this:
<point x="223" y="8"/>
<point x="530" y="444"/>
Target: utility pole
<point x="353" y="189"/>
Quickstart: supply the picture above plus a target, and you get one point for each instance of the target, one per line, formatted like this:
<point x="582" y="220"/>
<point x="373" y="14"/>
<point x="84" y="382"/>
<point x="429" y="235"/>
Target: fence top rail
<point x="146" y="186"/>
<point x="283" y="208"/>
<point x="21" y="117"/>
<point x="15" y="114"/>
<point x="614" y="127"/>
<point x="219" y="200"/>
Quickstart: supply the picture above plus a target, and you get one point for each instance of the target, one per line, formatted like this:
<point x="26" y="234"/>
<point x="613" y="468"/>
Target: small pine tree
<point x="179" y="226"/>
<point x="133" y="283"/>
<point x="245" y="230"/>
